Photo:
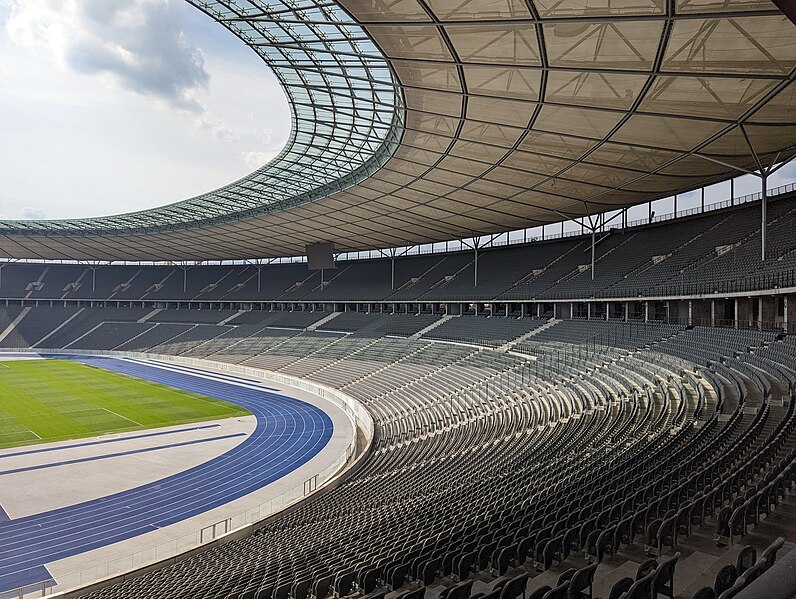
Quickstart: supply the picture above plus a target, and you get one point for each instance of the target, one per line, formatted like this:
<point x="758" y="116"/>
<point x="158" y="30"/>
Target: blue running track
<point x="289" y="433"/>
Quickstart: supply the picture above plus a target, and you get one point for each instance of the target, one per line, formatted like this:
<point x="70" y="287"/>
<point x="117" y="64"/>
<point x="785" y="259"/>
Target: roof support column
<point x="475" y="269"/>
<point x="763" y="217"/>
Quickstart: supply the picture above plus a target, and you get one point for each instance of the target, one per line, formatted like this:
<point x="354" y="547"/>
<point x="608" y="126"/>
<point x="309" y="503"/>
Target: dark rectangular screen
<point x="320" y="255"/>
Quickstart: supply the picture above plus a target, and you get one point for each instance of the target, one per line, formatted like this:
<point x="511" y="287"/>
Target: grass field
<point x="54" y="400"/>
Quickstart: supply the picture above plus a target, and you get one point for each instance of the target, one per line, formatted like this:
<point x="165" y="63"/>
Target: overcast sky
<point x="108" y="107"/>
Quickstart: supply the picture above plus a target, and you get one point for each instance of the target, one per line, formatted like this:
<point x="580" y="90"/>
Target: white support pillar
<point x="763" y="218"/>
<point x="713" y="313"/>
<point x="475" y="270"/>
<point x="736" y="312"/>
<point x="593" y="243"/>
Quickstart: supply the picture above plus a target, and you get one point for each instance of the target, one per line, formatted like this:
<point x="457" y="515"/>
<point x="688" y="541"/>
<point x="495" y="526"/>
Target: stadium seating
<point x="713" y="252"/>
<point x="481" y="455"/>
<point x="514" y="454"/>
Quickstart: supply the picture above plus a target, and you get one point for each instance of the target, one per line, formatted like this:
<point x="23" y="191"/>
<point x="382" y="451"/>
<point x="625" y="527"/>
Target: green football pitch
<point x="54" y="400"/>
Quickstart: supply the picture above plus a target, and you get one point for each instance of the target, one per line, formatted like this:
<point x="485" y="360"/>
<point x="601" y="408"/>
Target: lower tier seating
<point x="578" y="467"/>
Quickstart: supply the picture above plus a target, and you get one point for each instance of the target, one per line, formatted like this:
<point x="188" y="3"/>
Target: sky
<point x="109" y="107"/>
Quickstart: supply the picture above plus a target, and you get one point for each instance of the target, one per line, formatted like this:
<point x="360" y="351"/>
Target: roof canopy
<point x="424" y="120"/>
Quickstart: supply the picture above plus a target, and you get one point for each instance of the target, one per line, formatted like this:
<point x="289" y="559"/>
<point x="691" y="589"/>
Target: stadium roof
<point x="425" y="120"/>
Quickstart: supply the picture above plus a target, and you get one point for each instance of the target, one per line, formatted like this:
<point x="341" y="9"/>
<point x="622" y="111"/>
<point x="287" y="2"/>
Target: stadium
<point x="496" y="322"/>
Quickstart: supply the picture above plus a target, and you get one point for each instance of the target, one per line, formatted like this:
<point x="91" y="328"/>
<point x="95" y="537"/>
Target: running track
<point x="289" y="433"/>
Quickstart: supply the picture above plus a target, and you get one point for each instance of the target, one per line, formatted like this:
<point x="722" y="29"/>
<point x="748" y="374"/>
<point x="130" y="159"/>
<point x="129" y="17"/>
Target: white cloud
<point x="218" y="128"/>
<point x="257" y="159"/>
<point x="33" y="214"/>
<point x="76" y="144"/>
<point x="139" y="46"/>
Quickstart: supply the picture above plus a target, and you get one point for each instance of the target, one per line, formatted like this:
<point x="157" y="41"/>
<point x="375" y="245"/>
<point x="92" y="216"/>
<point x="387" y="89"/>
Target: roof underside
<point x="425" y="120"/>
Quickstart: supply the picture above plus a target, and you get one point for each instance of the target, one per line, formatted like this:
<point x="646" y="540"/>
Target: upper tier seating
<point x="718" y="251"/>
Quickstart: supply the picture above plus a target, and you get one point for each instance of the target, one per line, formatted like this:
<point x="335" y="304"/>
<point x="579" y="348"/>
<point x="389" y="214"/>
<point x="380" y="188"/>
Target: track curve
<point x="288" y="433"/>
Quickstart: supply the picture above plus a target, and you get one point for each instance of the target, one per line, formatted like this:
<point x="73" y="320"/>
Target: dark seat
<point x="605" y="543"/>
<point x="539" y="593"/>
<point x="300" y="589"/>
<point x="770" y="552"/>
<point x="416" y="594"/>
<point x="725" y="578"/>
<point x="580" y="582"/>
<point x="641" y="589"/>
<point x="559" y="592"/>
<point x="397" y="576"/>
<point x="651" y="534"/>
<point x="552" y="551"/>
<point x="723" y="524"/>
<point x="566" y="575"/>
<point x="663" y="577"/>
<point x="755" y="571"/>
<point x="736" y="588"/>
<point x="461" y="590"/>
<point x="322" y="587"/>
<point x="620" y="586"/>
<point x="368" y="580"/>
<point x="504" y="558"/>
<point x="264" y="592"/>
<point x="463" y="565"/>
<point x="428" y="571"/>
<point x="746" y="559"/>
<point x="624" y="532"/>
<point x="343" y="583"/>
<point x="484" y="554"/>
<point x="667" y="534"/>
<point x="590" y="546"/>
<point x="515" y="587"/>
<point x="524" y="548"/>
<point x="646" y="567"/>
<point x="283" y="591"/>
<point x="704" y="593"/>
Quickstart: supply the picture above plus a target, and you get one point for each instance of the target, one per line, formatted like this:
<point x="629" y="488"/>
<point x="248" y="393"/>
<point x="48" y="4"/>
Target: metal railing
<point x="207" y="534"/>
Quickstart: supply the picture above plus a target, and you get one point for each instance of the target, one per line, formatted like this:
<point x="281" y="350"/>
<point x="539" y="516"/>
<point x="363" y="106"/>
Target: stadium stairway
<point x="528" y="335"/>
<point x="7" y="331"/>
<point x="432" y="326"/>
<point x="323" y="321"/>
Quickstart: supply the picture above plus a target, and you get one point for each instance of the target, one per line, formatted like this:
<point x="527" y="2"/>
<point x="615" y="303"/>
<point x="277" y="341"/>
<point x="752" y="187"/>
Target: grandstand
<point x="606" y="411"/>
